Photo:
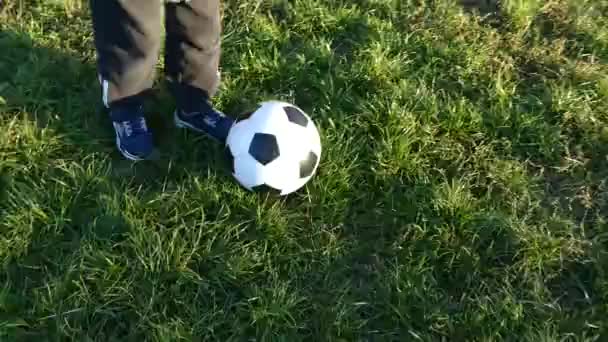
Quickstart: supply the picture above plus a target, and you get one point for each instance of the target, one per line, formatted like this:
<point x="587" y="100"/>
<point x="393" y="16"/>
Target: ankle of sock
<point x="189" y="98"/>
<point x="129" y="104"/>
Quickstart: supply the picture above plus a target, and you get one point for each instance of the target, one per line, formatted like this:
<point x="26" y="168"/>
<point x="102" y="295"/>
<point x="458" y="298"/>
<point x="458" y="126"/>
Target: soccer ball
<point x="276" y="148"/>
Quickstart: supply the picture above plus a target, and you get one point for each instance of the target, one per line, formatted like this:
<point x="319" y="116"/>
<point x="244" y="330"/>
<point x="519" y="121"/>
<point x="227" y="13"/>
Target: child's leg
<point x="127" y="38"/>
<point x="192" y="53"/>
<point x="192" y="64"/>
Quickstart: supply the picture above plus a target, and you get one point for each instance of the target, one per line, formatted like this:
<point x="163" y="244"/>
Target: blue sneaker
<point x="205" y="120"/>
<point x="133" y="138"/>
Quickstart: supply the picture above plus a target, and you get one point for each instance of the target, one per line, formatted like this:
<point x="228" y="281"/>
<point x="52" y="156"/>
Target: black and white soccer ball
<point x="276" y="148"/>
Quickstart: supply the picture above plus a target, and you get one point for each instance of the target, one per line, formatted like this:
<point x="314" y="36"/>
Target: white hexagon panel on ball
<point x="277" y="147"/>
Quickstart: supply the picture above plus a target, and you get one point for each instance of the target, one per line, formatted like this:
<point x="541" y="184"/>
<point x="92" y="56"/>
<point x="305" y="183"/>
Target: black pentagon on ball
<point x="308" y="164"/>
<point x="296" y="116"/>
<point x="264" y="148"/>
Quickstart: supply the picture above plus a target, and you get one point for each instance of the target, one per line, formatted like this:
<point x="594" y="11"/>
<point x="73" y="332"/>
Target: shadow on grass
<point x="58" y="93"/>
<point x="457" y="261"/>
<point x="410" y="263"/>
<point x="64" y="216"/>
<point x="404" y="264"/>
<point x="533" y="128"/>
<point x="299" y="72"/>
<point x="40" y="91"/>
<point x="566" y="154"/>
<point x="41" y="84"/>
<point x="390" y="232"/>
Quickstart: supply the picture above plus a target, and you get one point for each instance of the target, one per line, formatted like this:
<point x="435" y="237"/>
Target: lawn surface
<point x="462" y="194"/>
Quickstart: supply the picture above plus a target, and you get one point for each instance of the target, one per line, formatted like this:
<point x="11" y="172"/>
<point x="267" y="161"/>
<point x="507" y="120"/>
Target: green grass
<point x="462" y="194"/>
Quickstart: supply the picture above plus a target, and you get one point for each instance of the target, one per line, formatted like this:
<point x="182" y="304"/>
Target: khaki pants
<point x="128" y="39"/>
